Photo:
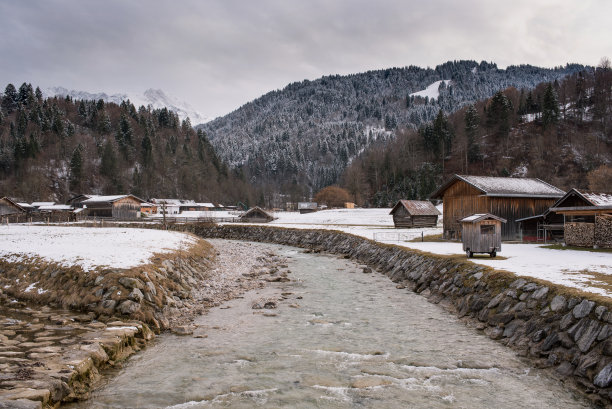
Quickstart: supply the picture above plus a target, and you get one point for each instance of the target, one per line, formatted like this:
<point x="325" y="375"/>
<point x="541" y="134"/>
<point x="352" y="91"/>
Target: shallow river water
<point x="354" y="341"/>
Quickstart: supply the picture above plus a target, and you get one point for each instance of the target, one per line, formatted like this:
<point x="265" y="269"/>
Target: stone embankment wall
<point x="555" y="326"/>
<point x="153" y="293"/>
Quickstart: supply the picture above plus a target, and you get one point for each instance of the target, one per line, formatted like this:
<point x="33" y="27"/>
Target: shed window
<point x="487" y="229"/>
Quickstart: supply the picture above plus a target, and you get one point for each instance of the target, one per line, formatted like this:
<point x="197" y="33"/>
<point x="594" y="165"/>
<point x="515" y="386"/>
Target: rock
<point x="566" y="321"/>
<point x="136" y="295"/>
<point x="605" y="332"/>
<point x="607" y="347"/>
<point x="538" y="335"/>
<point x="98" y="279"/>
<point x="583" y="309"/>
<point x="518" y="283"/>
<point x="366" y="270"/>
<point x="600" y="311"/>
<point x="501" y="318"/>
<point x="511" y="328"/>
<point x="572" y="302"/>
<point x="494" y="333"/>
<point x="130" y="282"/>
<point x="558" y="303"/>
<point x="550" y="341"/>
<point x="565" y="368"/>
<point x="182" y="330"/>
<point x="539" y="293"/>
<point x="128" y="307"/>
<point x="604" y="377"/>
<point x="496" y="300"/>
<point x="151" y="288"/>
<point x="529" y="287"/>
<point x="589" y="335"/>
<point x="109" y="304"/>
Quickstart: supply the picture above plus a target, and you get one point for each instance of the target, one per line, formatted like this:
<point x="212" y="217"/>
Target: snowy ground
<point x="88" y="247"/>
<point x="585" y="270"/>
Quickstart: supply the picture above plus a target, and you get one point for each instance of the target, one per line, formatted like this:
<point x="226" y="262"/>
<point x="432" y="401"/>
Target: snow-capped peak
<point x="154" y="97"/>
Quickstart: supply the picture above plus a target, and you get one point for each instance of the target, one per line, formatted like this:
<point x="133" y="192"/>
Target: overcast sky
<point x="218" y="55"/>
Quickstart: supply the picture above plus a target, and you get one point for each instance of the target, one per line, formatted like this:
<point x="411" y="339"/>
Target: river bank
<point x="50" y="355"/>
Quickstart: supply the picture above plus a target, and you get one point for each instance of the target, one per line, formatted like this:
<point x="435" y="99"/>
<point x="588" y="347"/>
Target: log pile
<point x="603" y="231"/>
<point x="579" y="234"/>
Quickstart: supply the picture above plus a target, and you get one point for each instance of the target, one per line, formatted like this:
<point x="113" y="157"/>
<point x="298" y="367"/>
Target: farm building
<point x="167" y="206"/>
<point x="414" y="213"/>
<point x="481" y="233"/>
<point x="508" y="198"/>
<point x="307" y="207"/>
<point x="256" y="215"/>
<point x="587" y="218"/>
<point x="119" y="206"/>
<point x="9" y="206"/>
<point x="148" y="208"/>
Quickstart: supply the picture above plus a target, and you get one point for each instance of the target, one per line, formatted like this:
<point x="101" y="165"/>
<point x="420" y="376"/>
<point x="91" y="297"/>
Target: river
<point x="339" y="339"/>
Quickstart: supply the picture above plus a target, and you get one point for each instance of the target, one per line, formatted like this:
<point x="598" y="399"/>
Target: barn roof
<point x="478" y="217"/>
<point x="109" y="199"/>
<point x="504" y="187"/>
<point x="257" y="211"/>
<point x="417" y="208"/>
<point x="56" y="207"/>
<point x="12" y="203"/>
<point x="39" y="204"/>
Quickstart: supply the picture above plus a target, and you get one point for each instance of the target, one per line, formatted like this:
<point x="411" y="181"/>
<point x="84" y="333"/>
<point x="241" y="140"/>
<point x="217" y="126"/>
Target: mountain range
<point x="307" y="133"/>
<point x="155" y="97"/>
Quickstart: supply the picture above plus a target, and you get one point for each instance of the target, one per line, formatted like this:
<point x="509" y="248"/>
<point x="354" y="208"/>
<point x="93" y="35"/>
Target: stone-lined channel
<point x="340" y="339"/>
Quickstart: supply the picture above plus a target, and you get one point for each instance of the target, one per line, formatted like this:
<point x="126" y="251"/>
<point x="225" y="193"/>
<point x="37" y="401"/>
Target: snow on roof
<point x="503" y="186"/>
<point x="598" y="199"/>
<point x="24" y="205"/>
<point x="56" y="207"/>
<point x="432" y="91"/>
<point x="481" y="216"/>
<point x="112" y="198"/>
<point x="418" y="207"/>
<point x="205" y="204"/>
<point x="171" y="202"/>
<point x="38" y="204"/>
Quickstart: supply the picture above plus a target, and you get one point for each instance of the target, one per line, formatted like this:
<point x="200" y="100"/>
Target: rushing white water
<point x="351" y="341"/>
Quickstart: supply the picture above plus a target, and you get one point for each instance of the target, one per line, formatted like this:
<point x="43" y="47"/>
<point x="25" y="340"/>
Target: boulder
<point x="604" y="377"/>
<point x="558" y="303"/>
<point x="583" y="309"/>
<point x="130" y="282"/>
<point x="128" y="307"/>
<point x="136" y="295"/>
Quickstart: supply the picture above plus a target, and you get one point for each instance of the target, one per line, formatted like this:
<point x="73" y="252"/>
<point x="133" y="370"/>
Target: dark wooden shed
<point x="9" y="206"/>
<point x="414" y="213"/>
<point x="256" y="215"/>
<point x="481" y="233"/>
<point x="509" y="198"/>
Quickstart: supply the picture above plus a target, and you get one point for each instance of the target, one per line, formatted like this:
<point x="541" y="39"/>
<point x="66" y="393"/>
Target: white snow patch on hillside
<point x="87" y="246"/>
<point x="432" y="91"/>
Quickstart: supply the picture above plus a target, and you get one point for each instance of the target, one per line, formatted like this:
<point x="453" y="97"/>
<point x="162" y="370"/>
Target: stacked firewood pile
<point x="603" y="231"/>
<point x="579" y="234"/>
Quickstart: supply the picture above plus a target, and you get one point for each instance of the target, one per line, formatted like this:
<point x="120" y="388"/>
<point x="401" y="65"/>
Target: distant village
<point x="479" y="210"/>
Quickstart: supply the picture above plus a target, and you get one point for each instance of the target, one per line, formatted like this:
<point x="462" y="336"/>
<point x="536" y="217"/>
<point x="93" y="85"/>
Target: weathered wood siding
<point x="126" y="209"/>
<point x="477" y="242"/>
<point x="403" y="219"/>
<point x="462" y="200"/>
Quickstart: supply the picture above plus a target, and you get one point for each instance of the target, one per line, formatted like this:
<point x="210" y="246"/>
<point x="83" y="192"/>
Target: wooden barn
<point x="481" y="233"/>
<point x="9" y="206"/>
<point x="508" y="198"/>
<point x="124" y="207"/>
<point x="414" y="213"/>
<point x="256" y="215"/>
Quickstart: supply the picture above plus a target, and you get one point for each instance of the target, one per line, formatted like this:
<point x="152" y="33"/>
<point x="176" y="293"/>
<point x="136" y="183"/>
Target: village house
<point x="256" y="215"/>
<point x="414" y="213"/>
<point x="167" y="206"/>
<point x="587" y="218"/>
<point x="9" y="206"/>
<point x="148" y="208"/>
<point x="508" y="198"/>
<point x="125" y="207"/>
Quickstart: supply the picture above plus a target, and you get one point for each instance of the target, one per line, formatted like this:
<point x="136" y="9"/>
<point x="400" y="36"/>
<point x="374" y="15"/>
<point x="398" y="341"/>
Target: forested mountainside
<point x="561" y="132"/>
<point x="52" y="148"/>
<point x="301" y="138"/>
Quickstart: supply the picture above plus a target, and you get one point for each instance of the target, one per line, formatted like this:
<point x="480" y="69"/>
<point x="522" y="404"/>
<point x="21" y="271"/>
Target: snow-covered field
<point x="88" y="247"/>
<point x="571" y="268"/>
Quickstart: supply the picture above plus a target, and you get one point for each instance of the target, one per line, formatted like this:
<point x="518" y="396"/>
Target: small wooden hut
<point x="9" y="206"/>
<point x="256" y="215"/>
<point x="481" y="233"/>
<point x="414" y="213"/>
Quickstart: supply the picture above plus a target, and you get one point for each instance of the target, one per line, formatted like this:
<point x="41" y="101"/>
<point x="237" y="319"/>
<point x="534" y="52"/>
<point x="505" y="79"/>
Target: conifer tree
<point x="10" y="98"/>
<point x="472" y="123"/>
<point x="76" y="167"/>
<point x="550" y="106"/>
